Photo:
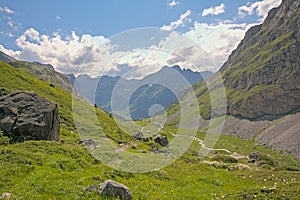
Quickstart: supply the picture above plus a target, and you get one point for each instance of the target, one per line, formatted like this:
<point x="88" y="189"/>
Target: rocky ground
<point x="282" y="134"/>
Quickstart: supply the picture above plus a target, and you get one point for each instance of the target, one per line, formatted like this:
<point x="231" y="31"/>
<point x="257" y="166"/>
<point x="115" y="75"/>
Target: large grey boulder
<point x="114" y="189"/>
<point x="28" y="116"/>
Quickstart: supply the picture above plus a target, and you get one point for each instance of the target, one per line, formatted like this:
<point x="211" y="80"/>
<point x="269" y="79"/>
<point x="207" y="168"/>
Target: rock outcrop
<point x="262" y="74"/>
<point x="46" y="73"/>
<point x="114" y="189"/>
<point x="28" y="116"/>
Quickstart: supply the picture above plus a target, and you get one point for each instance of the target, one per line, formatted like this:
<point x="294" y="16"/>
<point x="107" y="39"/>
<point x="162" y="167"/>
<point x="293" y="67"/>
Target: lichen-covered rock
<point x="28" y="116"/>
<point x="114" y="189"/>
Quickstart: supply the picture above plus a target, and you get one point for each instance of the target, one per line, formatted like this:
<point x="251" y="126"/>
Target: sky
<point x="117" y="36"/>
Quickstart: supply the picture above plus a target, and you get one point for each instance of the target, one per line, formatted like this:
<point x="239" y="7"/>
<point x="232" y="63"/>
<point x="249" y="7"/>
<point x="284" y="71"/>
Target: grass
<point x="60" y="170"/>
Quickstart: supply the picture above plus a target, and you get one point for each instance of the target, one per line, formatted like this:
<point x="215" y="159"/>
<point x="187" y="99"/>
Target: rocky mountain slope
<point x="262" y="74"/>
<point x="262" y="82"/>
<point x="45" y="72"/>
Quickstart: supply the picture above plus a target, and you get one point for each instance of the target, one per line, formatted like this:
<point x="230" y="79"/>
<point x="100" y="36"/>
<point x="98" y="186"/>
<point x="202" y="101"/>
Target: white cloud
<point x="14" y="54"/>
<point x="89" y="54"/>
<point x="183" y="19"/>
<point x="6" y="10"/>
<point x="260" y="7"/>
<point x="10" y="24"/>
<point x="218" y="40"/>
<point x="199" y="48"/>
<point x="214" y="10"/>
<point x="58" y="17"/>
<point x="172" y="3"/>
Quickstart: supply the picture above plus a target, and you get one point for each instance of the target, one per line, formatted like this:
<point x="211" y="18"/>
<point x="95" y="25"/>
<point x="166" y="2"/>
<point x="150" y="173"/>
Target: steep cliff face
<point x="262" y="75"/>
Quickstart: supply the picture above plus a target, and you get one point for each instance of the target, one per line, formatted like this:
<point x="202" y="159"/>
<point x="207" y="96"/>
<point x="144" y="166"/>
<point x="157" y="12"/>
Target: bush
<point x="266" y="159"/>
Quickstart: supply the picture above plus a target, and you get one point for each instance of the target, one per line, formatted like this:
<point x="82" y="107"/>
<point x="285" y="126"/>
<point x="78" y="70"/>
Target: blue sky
<point x="31" y="27"/>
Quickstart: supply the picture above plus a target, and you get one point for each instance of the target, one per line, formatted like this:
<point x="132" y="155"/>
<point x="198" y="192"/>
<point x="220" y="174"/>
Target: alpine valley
<point x="257" y="156"/>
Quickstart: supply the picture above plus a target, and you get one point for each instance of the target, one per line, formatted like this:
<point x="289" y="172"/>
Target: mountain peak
<point x="176" y="67"/>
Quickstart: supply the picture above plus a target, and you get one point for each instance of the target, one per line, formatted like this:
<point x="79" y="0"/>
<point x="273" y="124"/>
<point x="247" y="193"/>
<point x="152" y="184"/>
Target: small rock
<point x="161" y="139"/>
<point x="92" y="188"/>
<point x="254" y="156"/>
<point x="5" y="195"/>
<point x="89" y="143"/>
<point x="134" y="146"/>
<point x="113" y="189"/>
<point x="138" y="135"/>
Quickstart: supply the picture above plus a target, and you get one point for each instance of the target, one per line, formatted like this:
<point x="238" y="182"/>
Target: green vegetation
<point x="60" y="170"/>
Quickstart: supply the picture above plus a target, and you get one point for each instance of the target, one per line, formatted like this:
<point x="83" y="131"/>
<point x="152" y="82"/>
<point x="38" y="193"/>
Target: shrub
<point x="266" y="159"/>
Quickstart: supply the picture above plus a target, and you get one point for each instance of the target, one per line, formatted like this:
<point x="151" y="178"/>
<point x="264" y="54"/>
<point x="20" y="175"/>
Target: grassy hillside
<point x="60" y="170"/>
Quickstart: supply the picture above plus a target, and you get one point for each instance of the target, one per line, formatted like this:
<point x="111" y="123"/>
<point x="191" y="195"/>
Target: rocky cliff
<point x="262" y="74"/>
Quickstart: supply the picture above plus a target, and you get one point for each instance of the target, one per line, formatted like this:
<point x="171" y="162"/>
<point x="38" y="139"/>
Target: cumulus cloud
<point x="7" y="10"/>
<point x="203" y="47"/>
<point x="14" y="54"/>
<point x="218" y="40"/>
<point x="172" y="3"/>
<point x="261" y="8"/>
<point x="214" y="10"/>
<point x="71" y="54"/>
<point x="183" y="19"/>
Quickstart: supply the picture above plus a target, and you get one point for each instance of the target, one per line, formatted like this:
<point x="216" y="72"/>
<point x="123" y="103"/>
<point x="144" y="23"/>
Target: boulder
<point x="138" y="135"/>
<point x="28" y="116"/>
<point x="114" y="189"/>
<point x="161" y="139"/>
<point x="89" y="143"/>
<point x="254" y="156"/>
<point x="5" y="195"/>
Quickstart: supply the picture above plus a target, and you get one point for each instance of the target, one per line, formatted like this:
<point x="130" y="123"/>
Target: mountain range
<point x="261" y="79"/>
<point x="152" y="89"/>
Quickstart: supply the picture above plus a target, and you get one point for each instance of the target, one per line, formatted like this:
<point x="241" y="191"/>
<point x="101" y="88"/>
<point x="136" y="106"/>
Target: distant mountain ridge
<point x="100" y="90"/>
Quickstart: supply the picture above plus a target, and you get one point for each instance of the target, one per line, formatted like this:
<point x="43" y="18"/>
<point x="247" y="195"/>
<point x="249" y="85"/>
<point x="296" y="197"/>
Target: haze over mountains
<point x="152" y="89"/>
